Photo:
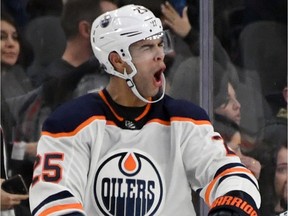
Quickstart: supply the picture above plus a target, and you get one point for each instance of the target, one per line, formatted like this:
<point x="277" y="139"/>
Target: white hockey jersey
<point x="93" y="161"/>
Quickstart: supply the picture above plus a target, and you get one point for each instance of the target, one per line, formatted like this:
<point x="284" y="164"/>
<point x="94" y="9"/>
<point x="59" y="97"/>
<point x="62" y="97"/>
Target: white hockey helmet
<point x="117" y="30"/>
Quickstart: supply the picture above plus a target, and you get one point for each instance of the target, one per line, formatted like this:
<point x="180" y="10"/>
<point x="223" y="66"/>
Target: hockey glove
<point x="234" y="203"/>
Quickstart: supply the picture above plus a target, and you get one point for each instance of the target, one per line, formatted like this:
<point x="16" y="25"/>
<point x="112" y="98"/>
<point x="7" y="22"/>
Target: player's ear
<point x="116" y="61"/>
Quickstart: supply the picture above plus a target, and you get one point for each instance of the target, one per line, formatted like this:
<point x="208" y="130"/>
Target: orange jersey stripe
<point x="61" y="207"/>
<point x="101" y="94"/>
<point x="110" y="123"/>
<point x="91" y="119"/>
<point x="119" y="117"/>
<point x="144" y="113"/>
<point x="72" y="133"/>
<point x="213" y="182"/>
<point x="198" y="122"/>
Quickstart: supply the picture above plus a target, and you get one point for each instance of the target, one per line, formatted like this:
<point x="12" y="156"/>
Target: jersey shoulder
<point x="184" y="108"/>
<point x="70" y="115"/>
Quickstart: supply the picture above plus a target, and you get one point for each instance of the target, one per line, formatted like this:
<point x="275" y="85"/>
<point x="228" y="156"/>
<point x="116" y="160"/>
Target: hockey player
<point x="130" y="149"/>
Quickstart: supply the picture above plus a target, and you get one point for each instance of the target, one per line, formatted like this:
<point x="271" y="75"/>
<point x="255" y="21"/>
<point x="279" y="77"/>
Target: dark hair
<point x="269" y="141"/>
<point x="5" y="16"/>
<point x="75" y="11"/>
<point x="220" y="85"/>
<point x="225" y="126"/>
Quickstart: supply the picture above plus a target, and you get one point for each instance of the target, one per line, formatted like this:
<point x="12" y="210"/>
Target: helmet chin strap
<point x="132" y="85"/>
<point x="135" y="91"/>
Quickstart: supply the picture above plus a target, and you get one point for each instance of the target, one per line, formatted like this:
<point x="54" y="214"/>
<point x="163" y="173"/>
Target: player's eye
<point x="161" y="44"/>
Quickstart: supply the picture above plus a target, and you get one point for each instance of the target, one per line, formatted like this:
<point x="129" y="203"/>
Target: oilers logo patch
<point x="128" y="183"/>
<point x="105" y="21"/>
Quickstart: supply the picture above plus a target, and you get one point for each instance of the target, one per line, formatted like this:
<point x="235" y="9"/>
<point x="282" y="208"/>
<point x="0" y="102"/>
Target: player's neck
<point x="122" y="94"/>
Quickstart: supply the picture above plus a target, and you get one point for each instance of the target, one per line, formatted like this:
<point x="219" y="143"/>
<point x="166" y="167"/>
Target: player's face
<point x="148" y="58"/>
<point x="280" y="182"/>
<point x="231" y="109"/>
<point x="10" y="46"/>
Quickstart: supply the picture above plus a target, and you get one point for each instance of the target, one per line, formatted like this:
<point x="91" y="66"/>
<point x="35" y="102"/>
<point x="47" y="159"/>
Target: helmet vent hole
<point x="122" y="51"/>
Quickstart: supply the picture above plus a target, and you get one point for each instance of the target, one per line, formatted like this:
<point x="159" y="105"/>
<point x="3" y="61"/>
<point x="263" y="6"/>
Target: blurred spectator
<point x="253" y="104"/>
<point x="41" y="30"/>
<point x="272" y="153"/>
<point x="41" y="33"/>
<point x="226" y="89"/>
<point x="231" y="135"/>
<point x="64" y="74"/>
<point x="225" y="98"/>
<point x="14" y="81"/>
<point x="186" y="86"/>
<point x="10" y="203"/>
<point x="187" y="27"/>
<point x="15" y="84"/>
<point x="226" y="106"/>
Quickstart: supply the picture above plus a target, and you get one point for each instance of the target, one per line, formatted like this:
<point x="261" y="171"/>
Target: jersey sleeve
<point x="56" y="186"/>
<point x="62" y="166"/>
<point x="213" y="170"/>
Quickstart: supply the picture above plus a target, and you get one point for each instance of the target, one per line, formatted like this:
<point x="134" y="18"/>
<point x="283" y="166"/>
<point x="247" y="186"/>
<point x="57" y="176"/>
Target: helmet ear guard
<point x="115" y="31"/>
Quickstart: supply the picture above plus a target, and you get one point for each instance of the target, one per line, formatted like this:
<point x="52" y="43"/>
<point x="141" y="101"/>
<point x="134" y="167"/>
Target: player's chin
<point x="156" y="91"/>
<point x="158" y="94"/>
<point x="151" y="94"/>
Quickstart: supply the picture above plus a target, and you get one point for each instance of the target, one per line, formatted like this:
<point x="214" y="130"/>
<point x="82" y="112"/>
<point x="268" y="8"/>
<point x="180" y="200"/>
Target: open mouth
<point x="157" y="76"/>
